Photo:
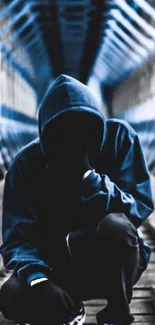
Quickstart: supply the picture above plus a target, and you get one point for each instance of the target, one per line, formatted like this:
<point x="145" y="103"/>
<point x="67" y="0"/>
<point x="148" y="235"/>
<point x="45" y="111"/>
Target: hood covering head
<point x="69" y="110"/>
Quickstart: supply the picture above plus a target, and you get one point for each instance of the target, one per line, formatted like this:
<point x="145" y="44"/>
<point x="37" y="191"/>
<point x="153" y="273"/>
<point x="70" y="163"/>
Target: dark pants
<point x="105" y="263"/>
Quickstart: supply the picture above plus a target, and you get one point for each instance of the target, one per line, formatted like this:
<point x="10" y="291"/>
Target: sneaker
<point x="79" y="317"/>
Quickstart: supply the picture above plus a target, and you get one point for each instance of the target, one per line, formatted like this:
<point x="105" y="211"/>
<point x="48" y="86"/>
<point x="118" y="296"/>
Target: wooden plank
<point x="153" y="294"/>
<point x="150" y="241"/>
<point x="147" y="235"/>
<point x="96" y="302"/>
<point x="139" y="319"/>
<point x="141" y="293"/>
<point x="142" y="306"/>
<point x="144" y="318"/>
<point x="143" y="228"/>
<point x="146" y="281"/>
<point x="137" y="307"/>
<point x="146" y="323"/>
<point x="151" y="225"/>
<point x="152" y="258"/>
<point x="153" y="248"/>
<point x="150" y="268"/>
<point x="137" y="294"/>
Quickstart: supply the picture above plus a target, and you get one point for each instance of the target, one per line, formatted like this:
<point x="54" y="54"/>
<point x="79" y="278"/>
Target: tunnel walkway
<point x="143" y="302"/>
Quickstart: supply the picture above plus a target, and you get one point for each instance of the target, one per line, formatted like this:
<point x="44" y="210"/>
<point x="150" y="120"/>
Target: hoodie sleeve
<point x="19" y="230"/>
<point x="129" y="193"/>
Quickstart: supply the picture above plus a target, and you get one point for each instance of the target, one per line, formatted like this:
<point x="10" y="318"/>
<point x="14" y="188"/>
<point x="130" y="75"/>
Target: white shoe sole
<point x="78" y="320"/>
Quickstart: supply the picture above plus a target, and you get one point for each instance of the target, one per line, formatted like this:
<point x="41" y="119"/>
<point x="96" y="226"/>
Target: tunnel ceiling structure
<point x="99" y="42"/>
<point x="82" y="38"/>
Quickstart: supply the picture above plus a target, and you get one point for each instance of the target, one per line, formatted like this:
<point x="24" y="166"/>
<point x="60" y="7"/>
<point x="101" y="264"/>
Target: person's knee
<point x="10" y="296"/>
<point x="11" y="288"/>
<point x="117" y="228"/>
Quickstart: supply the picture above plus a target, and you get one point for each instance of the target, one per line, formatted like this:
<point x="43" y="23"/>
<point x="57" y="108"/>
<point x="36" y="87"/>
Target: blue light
<point x="146" y="42"/>
<point x="130" y="41"/>
<point x="5" y="11"/>
<point x="147" y="8"/>
<point x="148" y="29"/>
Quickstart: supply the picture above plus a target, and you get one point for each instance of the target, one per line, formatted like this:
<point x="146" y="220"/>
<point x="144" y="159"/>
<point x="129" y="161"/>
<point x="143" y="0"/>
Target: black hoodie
<point x="39" y="208"/>
<point x="70" y="103"/>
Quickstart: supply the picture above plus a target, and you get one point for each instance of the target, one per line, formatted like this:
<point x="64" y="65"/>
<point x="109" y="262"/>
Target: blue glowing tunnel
<point x="104" y="44"/>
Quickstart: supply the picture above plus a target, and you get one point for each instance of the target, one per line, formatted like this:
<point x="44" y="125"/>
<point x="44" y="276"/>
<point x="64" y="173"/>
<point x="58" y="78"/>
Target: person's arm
<point x="20" y="234"/>
<point x="129" y="193"/>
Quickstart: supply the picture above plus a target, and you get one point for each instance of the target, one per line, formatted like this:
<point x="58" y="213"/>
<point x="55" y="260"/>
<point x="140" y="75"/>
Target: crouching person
<point x="74" y="200"/>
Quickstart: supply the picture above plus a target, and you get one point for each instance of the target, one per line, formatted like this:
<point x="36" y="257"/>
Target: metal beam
<point x="22" y="71"/>
<point x="147" y="43"/>
<point x="14" y="19"/>
<point x="144" y="25"/>
<point x="112" y="37"/>
<point x="5" y="10"/>
<point x="17" y="33"/>
<point x="92" y="43"/>
<point x="146" y="7"/>
<point x="127" y="39"/>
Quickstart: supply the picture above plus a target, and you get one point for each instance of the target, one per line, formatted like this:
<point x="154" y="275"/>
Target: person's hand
<point x="86" y="162"/>
<point x="51" y="298"/>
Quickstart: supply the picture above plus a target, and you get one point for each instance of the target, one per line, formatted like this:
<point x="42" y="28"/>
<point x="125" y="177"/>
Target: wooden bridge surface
<point x="143" y="302"/>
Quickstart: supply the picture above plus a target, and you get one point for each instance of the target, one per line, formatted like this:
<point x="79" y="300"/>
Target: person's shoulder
<point x="120" y="134"/>
<point x="29" y="155"/>
<point x="28" y="151"/>
<point x="120" y="126"/>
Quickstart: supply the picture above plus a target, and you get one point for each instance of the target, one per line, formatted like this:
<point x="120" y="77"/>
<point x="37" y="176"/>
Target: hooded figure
<point x="73" y="202"/>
